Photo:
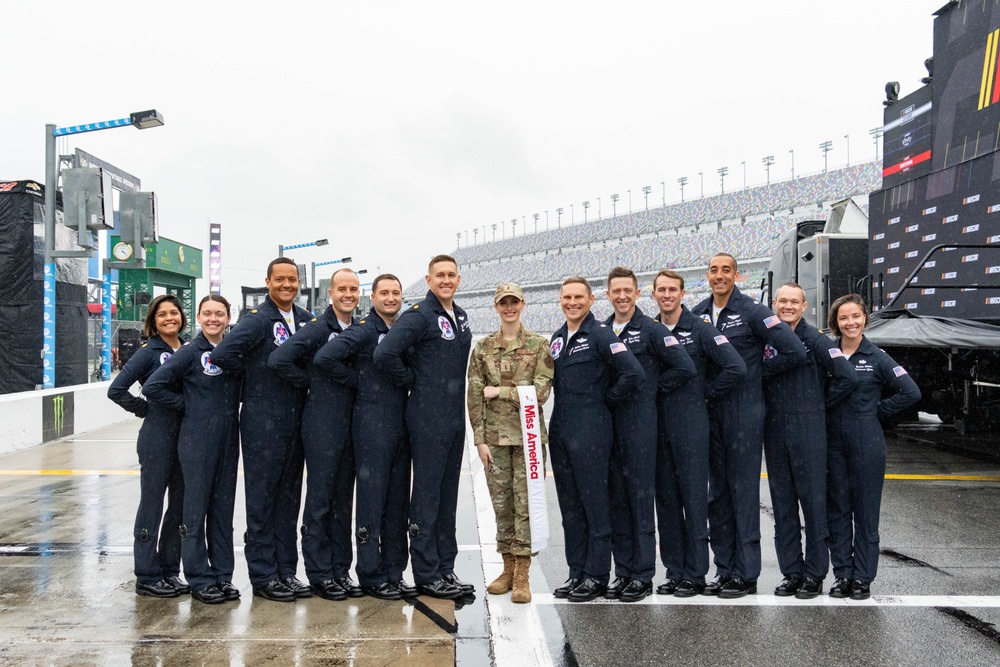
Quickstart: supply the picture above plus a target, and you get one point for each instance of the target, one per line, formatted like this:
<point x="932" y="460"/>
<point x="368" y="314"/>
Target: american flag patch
<point x="618" y="347"/>
<point x="772" y="321"/>
<point x="669" y="341"/>
<point x="721" y="340"/>
<point x="836" y="352"/>
<point x="899" y="371"/>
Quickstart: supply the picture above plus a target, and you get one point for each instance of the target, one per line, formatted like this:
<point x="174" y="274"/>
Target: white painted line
<point x="775" y="601"/>
<point x="516" y="634"/>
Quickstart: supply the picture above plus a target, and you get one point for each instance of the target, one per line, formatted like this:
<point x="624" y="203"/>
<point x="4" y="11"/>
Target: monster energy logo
<point x="58" y="413"/>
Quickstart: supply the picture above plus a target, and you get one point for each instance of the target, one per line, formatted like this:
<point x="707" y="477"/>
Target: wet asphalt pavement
<point x="66" y="585"/>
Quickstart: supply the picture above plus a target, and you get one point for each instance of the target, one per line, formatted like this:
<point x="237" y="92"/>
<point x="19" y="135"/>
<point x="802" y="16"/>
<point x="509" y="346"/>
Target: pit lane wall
<point x="32" y="418"/>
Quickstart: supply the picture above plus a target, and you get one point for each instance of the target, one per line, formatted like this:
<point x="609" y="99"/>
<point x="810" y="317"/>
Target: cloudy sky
<point x="387" y="127"/>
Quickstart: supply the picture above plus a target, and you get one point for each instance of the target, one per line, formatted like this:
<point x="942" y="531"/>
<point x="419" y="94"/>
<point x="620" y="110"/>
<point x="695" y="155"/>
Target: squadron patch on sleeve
<point x="164" y="357"/>
<point x="333" y="334"/>
<point x="556" y="347"/>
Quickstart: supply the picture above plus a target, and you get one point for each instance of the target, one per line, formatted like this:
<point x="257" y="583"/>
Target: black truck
<point x="927" y="255"/>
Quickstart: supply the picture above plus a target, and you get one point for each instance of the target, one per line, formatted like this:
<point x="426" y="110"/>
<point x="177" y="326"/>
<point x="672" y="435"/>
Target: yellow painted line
<point x="947" y="478"/>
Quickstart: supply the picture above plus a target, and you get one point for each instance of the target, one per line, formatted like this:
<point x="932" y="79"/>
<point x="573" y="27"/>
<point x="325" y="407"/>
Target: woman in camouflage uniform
<point x="510" y="357"/>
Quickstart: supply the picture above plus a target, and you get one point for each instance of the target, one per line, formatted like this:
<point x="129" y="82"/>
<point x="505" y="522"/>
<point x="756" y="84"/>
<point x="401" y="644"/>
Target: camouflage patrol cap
<point x="508" y="289"/>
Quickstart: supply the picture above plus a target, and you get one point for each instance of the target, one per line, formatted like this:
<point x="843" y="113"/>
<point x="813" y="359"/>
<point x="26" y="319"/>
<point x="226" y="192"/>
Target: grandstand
<point x="683" y="236"/>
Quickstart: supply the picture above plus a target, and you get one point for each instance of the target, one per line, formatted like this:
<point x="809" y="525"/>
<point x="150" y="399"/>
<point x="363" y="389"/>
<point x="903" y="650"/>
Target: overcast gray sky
<point x="387" y="127"/>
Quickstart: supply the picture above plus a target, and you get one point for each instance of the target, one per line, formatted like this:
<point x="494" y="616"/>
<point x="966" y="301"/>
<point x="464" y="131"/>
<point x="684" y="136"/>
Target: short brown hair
<point x="791" y="283"/>
<point x="668" y="273"/>
<point x="725" y="254"/>
<point x="577" y="279"/>
<point x="281" y="260"/>
<point x="831" y="318"/>
<point x="440" y="258"/>
<point x="344" y="268"/>
<point x="149" y="324"/>
<point x="218" y="298"/>
<point x="385" y="276"/>
<point x="622" y="272"/>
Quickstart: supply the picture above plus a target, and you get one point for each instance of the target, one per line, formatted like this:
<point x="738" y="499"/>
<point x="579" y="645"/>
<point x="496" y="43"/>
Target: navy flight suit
<point x="209" y="453"/>
<point x="632" y="475"/>
<point x="737" y="434"/>
<point x="157" y="547"/>
<point x="426" y="350"/>
<point x="381" y="450"/>
<point x="856" y="460"/>
<point x="682" y="457"/>
<point x="795" y="448"/>
<point x="593" y="370"/>
<point x="271" y="440"/>
<point x="326" y="440"/>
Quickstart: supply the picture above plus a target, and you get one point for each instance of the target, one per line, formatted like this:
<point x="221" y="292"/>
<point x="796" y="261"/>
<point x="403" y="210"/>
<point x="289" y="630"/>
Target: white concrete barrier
<point x="31" y="418"/>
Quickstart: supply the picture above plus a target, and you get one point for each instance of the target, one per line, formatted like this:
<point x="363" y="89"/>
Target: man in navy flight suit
<point x="427" y="349"/>
<point x="737" y="428"/>
<point x="593" y="369"/>
<point x="795" y="446"/>
<point x="382" y="452"/>
<point x="326" y="440"/>
<point x="632" y="476"/>
<point x="269" y="433"/>
<point x="682" y="457"/>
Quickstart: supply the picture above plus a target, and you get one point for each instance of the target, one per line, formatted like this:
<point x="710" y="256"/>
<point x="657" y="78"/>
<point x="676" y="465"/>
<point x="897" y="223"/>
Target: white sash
<point x="534" y="464"/>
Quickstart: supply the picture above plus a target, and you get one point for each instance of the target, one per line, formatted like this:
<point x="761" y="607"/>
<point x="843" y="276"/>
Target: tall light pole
<point x="586" y="205"/>
<point x="630" y="202"/>
<point x="475" y="236"/>
<point x="283" y="248"/>
<point x="614" y="205"/>
<point x="876" y="134"/>
<point x="663" y="184"/>
<point x="792" y="151"/>
<point x="546" y="219"/>
<point x="513" y="228"/>
<point x="722" y="171"/>
<point x="744" y="174"/>
<point x="701" y="180"/>
<point x="494" y="227"/>
<point x="140" y="120"/>
<point x="599" y="216"/>
<point x="503" y="229"/>
<point x="682" y="181"/>
<point x="768" y="160"/>
<point x="645" y="193"/>
<point x="572" y="215"/>
<point x="559" y="218"/>
<point x="848" y="138"/>
<point x="536" y="216"/>
<point x="826" y="147"/>
<point x="458" y="240"/>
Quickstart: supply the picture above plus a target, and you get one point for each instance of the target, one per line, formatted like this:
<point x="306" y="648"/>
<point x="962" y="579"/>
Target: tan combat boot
<point x="522" y="591"/>
<point x="504" y="582"/>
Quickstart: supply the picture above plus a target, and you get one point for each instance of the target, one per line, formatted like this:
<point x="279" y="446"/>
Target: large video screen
<point x="907" y="138"/>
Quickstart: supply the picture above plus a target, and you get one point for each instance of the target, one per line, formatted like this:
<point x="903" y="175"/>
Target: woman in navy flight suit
<point x="856" y="450"/>
<point x="208" y="449"/>
<point x="157" y="547"/>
